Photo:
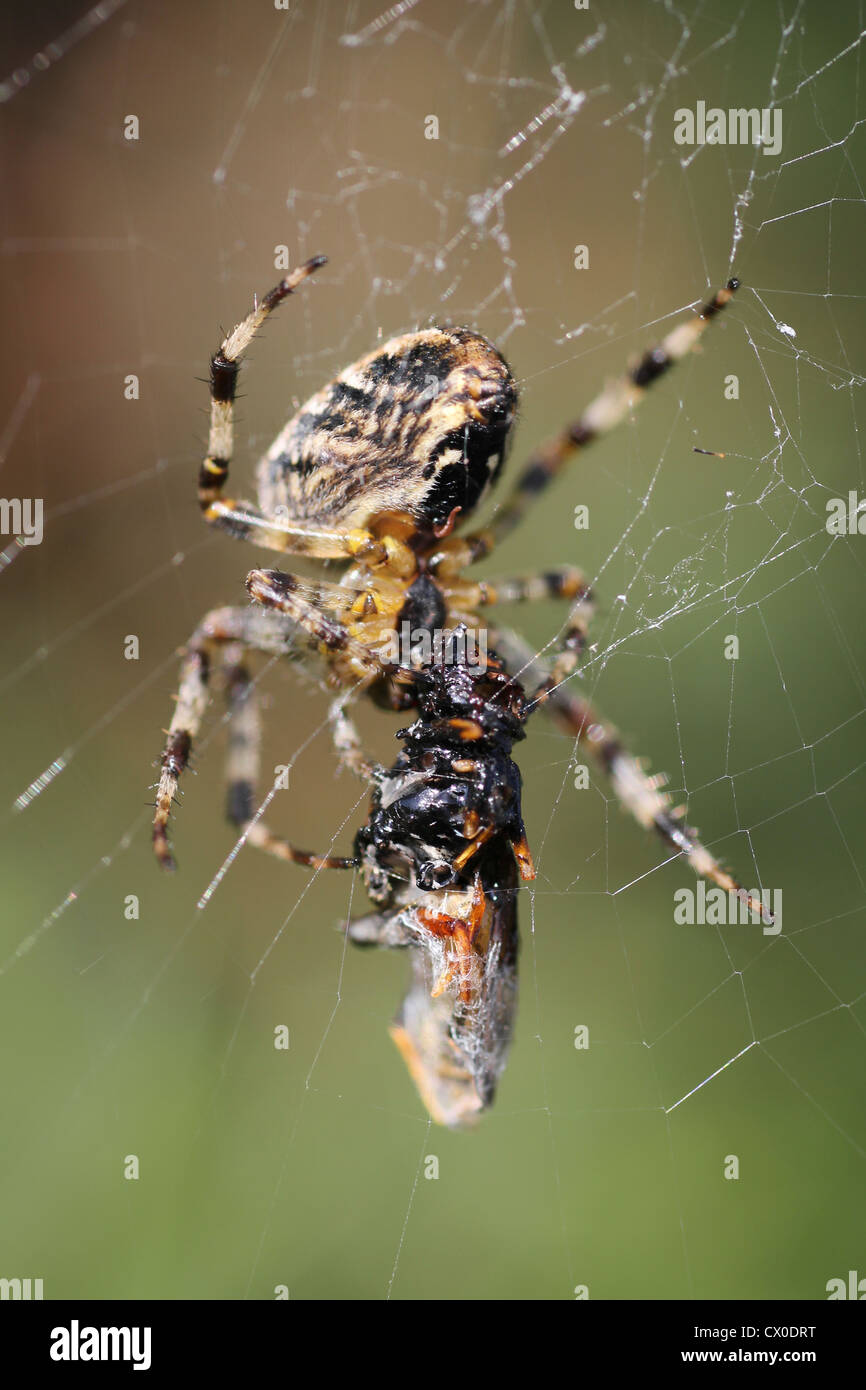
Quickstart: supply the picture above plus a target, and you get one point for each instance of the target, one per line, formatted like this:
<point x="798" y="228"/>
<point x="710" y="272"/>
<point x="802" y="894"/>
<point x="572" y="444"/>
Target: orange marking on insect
<point x="523" y="855"/>
<point x="466" y="854"/>
<point x="422" y="1071"/>
<point x="417" y="1067"/>
<point x="462" y="933"/>
<point x="468" y="729"/>
<point x="439" y="923"/>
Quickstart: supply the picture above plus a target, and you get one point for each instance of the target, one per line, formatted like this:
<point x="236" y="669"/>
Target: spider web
<point x="312" y="1168"/>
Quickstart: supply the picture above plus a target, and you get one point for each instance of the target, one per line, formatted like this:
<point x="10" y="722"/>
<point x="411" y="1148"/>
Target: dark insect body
<point x="442" y="854"/>
<point x="454" y="785"/>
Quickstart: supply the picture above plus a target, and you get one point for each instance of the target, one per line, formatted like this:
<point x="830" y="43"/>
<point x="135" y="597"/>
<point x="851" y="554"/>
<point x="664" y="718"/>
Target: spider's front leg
<point x="638" y="793"/>
<point x="224" y="371"/>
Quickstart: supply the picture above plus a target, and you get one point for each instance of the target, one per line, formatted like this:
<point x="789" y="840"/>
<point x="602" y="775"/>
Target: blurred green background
<point x="154" y="1037"/>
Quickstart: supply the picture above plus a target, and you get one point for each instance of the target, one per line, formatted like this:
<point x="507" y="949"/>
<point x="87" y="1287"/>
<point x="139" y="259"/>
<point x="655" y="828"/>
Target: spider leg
<point x="301" y="601"/>
<point x="242" y="771"/>
<point x="639" y="794"/>
<point x="242" y="519"/>
<point x="328" y="598"/>
<point x="252" y="628"/>
<point x="564" y="661"/>
<point x="287" y="602"/>
<point x="566" y="582"/>
<point x="347" y="742"/>
<point x="603" y="414"/>
<point x="224" y="369"/>
<point x="245" y="521"/>
<point x="563" y="582"/>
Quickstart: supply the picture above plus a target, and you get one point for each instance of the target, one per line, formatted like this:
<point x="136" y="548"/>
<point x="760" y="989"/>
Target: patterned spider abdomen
<point x="419" y="427"/>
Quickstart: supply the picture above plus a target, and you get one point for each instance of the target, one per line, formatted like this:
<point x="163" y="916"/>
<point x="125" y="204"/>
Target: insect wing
<point x="455" y="1024"/>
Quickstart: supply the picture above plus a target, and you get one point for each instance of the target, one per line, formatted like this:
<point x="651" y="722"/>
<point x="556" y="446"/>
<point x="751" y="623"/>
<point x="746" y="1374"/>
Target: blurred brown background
<point x="153" y="1037"/>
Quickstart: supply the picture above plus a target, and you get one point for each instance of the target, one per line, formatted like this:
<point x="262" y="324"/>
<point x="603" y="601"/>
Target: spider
<point x="376" y="470"/>
<point x="440" y="856"/>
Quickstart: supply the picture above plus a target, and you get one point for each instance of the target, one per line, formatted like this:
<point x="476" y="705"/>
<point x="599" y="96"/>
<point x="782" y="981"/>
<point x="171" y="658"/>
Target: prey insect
<point x="378" y="470"/>
<point x="442" y="856"/>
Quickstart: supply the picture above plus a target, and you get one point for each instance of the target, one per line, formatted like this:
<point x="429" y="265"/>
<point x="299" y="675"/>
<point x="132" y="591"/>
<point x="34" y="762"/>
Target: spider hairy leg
<point x="347" y="743"/>
<point x="257" y="834"/>
<point x="600" y="416"/>
<point x="571" y="647"/>
<point x="639" y="793"/>
<point x="242" y="771"/>
<point x="260" y="631"/>
<point x="285" y="593"/>
<point x="242" y="519"/>
<point x="192" y="701"/>
<point x="224" y="369"/>
<point x="563" y="582"/>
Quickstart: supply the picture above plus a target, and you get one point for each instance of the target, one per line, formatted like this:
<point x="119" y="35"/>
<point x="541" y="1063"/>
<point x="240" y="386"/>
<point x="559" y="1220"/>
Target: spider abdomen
<point x="419" y="426"/>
